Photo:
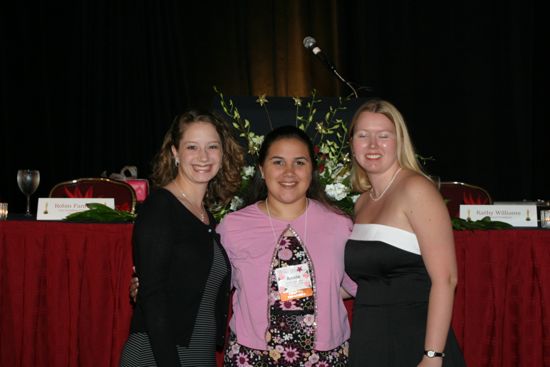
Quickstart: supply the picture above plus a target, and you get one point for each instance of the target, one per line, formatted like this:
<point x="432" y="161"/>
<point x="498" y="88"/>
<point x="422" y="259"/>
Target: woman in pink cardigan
<point x="287" y="254"/>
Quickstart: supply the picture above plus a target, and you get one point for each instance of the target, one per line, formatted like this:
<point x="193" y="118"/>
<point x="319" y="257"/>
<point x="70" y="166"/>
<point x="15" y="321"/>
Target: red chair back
<point x="457" y="193"/>
<point x="123" y="193"/>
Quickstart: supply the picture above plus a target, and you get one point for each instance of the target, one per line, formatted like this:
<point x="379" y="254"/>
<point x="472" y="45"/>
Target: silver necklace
<point x="386" y="189"/>
<point x="201" y="210"/>
<point x="271" y="221"/>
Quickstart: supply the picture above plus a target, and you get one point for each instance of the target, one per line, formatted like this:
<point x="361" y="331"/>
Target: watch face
<point x="430" y="354"/>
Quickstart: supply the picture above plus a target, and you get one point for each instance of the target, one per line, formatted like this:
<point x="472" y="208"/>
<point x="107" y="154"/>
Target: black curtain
<point x="465" y="76"/>
<point x="91" y="86"/>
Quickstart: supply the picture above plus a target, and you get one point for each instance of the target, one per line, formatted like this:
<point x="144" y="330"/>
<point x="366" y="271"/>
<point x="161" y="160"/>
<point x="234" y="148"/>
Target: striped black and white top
<point x="201" y="351"/>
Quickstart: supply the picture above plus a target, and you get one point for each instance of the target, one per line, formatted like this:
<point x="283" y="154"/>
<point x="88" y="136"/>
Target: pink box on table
<point x="141" y="187"/>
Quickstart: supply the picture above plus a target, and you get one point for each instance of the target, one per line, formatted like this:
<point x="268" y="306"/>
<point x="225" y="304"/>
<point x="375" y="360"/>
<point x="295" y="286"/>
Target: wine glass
<point x="28" y="180"/>
<point x="437" y="181"/>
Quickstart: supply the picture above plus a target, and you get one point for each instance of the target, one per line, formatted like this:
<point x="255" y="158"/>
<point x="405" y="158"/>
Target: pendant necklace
<point x="271" y="222"/>
<point x="386" y="189"/>
<point x="201" y="211"/>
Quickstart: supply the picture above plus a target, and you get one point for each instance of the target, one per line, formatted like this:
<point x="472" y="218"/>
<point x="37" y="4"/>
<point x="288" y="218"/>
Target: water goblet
<point x="437" y="181"/>
<point x="28" y="181"/>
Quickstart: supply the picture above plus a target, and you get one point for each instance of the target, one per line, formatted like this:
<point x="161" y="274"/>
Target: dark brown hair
<point x="258" y="188"/>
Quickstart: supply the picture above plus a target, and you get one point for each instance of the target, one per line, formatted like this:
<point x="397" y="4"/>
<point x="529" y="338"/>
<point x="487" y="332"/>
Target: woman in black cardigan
<point x="184" y="273"/>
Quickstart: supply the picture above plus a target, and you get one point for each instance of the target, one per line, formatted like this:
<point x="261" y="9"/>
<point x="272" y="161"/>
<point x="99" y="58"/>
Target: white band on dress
<point x="393" y="236"/>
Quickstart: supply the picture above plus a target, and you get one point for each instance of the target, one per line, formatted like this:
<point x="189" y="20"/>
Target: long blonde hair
<point x="227" y="181"/>
<point x="406" y="155"/>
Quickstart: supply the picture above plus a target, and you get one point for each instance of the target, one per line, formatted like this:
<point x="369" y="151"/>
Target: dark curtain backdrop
<point x="91" y="86"/>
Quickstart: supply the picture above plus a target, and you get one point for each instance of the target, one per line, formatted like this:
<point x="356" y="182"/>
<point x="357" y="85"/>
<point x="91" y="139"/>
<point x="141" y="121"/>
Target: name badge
<point x="294" y="282"/>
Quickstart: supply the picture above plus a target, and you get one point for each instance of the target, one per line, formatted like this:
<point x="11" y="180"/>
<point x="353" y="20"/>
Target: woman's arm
<point x="348" y="288"/>
<point x="153" y="240"/>
<point x="429" y="219"/>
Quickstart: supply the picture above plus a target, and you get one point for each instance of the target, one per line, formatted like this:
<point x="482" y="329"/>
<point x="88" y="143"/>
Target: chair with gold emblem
<point x="457" y="193"/>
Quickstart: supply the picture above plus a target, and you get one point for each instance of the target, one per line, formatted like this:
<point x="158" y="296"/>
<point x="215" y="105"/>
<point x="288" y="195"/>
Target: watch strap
<point x="433" y="354"/>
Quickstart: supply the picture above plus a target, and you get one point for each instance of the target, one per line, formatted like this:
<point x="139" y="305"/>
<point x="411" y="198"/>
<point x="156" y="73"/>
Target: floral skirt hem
<point x="237" y="355"/>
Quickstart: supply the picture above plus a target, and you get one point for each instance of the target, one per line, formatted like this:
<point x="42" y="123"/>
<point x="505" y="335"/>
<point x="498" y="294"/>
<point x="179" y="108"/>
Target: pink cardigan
<point x="248" y="238"/>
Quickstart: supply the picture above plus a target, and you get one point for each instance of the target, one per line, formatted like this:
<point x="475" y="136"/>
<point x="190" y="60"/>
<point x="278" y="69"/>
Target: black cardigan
<point x="173" y="254"/>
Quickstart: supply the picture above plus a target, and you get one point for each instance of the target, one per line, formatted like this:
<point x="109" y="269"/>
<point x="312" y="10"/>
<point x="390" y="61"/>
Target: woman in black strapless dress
<point x="401" y="251"/>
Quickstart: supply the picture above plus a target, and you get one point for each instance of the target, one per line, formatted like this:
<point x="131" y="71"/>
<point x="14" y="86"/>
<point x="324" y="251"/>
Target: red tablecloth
<point x="502" y="306"/>
<point x="64" y="295"/>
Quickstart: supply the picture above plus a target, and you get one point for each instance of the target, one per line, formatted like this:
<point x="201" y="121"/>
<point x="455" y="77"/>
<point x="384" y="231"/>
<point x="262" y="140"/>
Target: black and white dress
<point x="391" y="305"/>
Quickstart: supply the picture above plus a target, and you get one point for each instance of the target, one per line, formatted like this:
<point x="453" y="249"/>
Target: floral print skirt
<point x="242" y="356"/>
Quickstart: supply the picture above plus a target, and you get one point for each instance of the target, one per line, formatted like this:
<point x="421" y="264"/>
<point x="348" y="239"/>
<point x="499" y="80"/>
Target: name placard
<point x="59" y="208"/>
<point x="516" y="215"/>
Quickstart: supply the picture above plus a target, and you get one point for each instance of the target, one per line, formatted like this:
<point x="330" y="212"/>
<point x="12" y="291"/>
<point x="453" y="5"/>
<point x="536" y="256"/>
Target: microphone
<point x="311" y="44"/>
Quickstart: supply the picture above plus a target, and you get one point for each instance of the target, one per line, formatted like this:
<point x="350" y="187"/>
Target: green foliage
<point x="100" y="213"/>
<point x="460" y="224"/>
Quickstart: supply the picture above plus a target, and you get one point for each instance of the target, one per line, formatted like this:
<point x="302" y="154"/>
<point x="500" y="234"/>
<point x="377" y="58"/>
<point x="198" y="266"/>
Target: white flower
<point x="254" y="142"/>
<point x="354" y="198"/>
<point x="324" y="148"/>
<point x="236" y="203"/>
<point x="338" y="171"/>
<point x="248" y="171"/>
<point x="337" y="191"/>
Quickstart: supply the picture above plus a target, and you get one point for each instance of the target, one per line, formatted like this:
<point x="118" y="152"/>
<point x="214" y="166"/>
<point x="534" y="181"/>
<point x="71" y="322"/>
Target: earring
<point x="177" y="161"/>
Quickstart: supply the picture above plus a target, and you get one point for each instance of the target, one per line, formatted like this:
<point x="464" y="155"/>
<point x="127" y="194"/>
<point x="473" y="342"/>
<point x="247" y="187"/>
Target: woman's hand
<point x="134" y="285"/>
<point x="344" y="294"/>
<point x="431" y="362"/>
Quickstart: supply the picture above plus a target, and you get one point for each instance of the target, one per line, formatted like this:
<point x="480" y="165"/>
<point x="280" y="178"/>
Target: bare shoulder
<point x="422" y="202"/>
<point x="416" y="187"/>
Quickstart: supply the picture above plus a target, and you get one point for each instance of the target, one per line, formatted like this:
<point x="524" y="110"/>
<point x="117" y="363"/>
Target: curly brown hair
<point x="227" y="181"/>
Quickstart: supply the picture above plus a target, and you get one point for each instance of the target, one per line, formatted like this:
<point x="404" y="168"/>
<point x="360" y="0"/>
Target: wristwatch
<point x="433" y="354"/>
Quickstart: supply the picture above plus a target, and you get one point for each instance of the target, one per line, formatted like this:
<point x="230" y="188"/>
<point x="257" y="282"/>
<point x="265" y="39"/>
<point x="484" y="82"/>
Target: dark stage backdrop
<point x="90" y="86"/>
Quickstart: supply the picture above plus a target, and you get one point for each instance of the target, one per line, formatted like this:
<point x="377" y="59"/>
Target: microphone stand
<point x="311" y="44"/>
<point x="346" y="83"/>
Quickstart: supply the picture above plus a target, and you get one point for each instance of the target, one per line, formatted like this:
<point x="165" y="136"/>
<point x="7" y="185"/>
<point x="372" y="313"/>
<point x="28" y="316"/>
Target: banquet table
<point x="64" y="295"/>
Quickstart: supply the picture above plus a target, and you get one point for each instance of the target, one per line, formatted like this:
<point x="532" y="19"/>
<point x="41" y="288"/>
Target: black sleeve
<point x="153" y="239"/>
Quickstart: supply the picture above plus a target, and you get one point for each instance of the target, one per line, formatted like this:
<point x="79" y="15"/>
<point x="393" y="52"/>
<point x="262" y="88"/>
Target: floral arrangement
<point x="328" y="133"/>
